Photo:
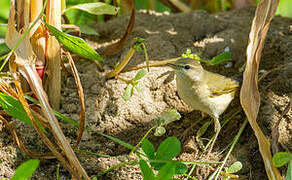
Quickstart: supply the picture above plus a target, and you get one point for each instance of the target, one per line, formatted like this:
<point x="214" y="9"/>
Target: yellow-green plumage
<point x="208" y="92"/>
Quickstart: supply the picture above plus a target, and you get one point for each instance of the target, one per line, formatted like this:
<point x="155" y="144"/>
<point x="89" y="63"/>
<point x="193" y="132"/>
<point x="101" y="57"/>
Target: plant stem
<point x="116" y="166"/>
<point x="147" y="133"/>
<point x="156" y="64"/>
<point x="217" y="172"/>
<point x="53" y="55"/>
<point x="121" y="66"/>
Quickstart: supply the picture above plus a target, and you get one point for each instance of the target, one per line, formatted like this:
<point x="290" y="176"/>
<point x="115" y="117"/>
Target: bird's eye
<point x="187" y="67"/>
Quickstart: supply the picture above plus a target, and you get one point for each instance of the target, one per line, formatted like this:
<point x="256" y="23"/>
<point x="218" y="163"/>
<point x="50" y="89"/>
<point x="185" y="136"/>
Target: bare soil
<point x="167" y="36"/>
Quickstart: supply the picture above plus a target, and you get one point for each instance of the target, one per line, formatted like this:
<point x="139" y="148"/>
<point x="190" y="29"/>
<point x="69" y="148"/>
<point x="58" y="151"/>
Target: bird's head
<point x="187" y="67"/>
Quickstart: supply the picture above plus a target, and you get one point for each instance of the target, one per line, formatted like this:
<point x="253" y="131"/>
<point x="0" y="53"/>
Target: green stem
<point x="188" y="176"/>
<point x="217" y="172"/>
<point x="134" y="162"/>
<point x="93" y="153"/>
<point x="146" y="57"/>
<point x="191" y="171"/>
<point x="147" y="133"/>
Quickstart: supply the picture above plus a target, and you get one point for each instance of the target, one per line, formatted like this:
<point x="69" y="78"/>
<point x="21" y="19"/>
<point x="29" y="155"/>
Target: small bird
<point x="202" y="90"/>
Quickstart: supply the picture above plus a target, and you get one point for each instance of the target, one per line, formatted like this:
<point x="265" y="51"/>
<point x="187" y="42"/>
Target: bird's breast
<point x="199" y="97"/>
<point x="192" y="96"/>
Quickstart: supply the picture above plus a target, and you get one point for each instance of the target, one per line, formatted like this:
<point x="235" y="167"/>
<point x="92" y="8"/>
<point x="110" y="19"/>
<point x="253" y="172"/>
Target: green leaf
<point x="167" y="150"/>
<point x="4" y="49"/>
<point x="137" y="47"/>
<point x="129" y="146"/>
<point x="97" y="8"/>
<point x="128" y="92"/>
<point x="289" y="171"/>
<point x="85" y="29"/>
<point x="3" y="30"/>
<point x="281" y="158"/>
<point x="284" y="8"/>
<point x="166" y="172"/>
<point x="14" y="108"/>
<point x="4" y="13"/>
<point x="170" y="116"/>
<point x="139" y="40"/>
<point x="139" y="89"/>
<point x="26" y="169"/>
<point x="140" y="74"/>
<point x="234" y="168"/>
<point x="148" y="148"/>
<point x="223" y="57"/>
<point x="146" y="171"/>
<point x="74" y="44"/>
<point x="180" y="168"/>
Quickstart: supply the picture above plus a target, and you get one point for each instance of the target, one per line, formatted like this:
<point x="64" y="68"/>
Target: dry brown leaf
<point x="81" y="97"/>
<point x="249" y="95"/>
<point x="117" y="47"/>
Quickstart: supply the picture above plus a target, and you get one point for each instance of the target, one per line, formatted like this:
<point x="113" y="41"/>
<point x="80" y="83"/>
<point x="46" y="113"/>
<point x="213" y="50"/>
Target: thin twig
<point x="272" y="70"/>
<point x="121" y="66"/>
<point x="156" y="64"/>
<point x="275" y="129"/>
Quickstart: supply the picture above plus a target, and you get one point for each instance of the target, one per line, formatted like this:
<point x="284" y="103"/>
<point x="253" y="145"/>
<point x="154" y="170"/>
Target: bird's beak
<point x="172" y="65"/>
<point x="176" y="66"/>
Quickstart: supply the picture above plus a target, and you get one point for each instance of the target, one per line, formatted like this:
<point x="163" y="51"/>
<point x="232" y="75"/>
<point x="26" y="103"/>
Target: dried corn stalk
<point x="23" y="60"/>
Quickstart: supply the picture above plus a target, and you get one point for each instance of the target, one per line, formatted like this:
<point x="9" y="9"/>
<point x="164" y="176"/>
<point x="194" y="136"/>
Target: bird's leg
<point x="217" y="130"/>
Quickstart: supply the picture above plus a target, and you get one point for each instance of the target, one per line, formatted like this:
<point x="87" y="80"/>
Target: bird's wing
<point x="218" y="84"/>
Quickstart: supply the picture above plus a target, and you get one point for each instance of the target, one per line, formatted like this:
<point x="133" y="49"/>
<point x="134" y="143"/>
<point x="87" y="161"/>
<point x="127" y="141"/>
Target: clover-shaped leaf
<point x="133" y="83"/>
<point x="281" y="158"/>
<point x="140" y="74"/>
<point x="234" y="168"/>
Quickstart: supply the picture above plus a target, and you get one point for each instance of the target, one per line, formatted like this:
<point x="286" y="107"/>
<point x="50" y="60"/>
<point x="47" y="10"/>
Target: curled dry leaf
<point x="81" y="96"/>
<point x="249" y="95"/>
<point x="117" y="47"/>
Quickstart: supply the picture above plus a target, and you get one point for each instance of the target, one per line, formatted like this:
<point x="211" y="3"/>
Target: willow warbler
<point x="202" y="90"/>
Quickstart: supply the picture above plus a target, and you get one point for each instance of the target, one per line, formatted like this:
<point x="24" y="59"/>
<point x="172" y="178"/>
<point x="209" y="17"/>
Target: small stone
<point x="228" y="65"/>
